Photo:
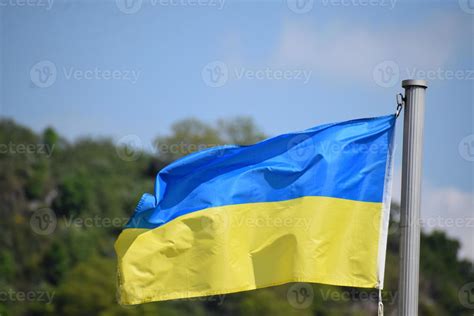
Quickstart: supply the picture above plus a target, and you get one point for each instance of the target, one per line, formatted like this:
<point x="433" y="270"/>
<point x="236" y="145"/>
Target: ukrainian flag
<point x="310" y="206"/>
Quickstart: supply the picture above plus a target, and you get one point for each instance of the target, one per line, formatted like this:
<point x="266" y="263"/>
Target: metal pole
<point x="412" y="166"/>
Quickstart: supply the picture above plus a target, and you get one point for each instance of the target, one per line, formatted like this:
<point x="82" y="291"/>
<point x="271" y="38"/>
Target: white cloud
<point x="451" y="210"/>
<point x="445" y="208"/>
<point x="352" y="51"/>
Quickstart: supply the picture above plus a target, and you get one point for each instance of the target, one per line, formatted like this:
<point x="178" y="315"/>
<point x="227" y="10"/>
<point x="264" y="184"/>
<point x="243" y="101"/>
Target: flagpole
<point x="412" y="166"/>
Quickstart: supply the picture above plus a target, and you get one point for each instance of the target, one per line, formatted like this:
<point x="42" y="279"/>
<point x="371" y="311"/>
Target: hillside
<point x="87" y="190"/>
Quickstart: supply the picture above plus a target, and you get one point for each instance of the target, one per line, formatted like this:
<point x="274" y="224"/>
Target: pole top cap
<point x="414" y="83"/>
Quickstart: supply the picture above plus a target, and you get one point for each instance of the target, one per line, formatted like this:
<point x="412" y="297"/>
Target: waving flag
<point x="310" y="206"/>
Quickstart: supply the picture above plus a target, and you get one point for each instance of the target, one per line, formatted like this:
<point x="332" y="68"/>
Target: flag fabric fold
<point x="310" y="206"/>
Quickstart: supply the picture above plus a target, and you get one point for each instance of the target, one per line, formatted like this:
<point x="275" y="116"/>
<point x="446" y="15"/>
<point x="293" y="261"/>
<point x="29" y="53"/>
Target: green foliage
<point x="7" y="266"/>
<point x="97" y="275"/>
<point x="74" y="195"/>
<point x="37" y="183"/>
<point x="50" y="137"/>
<point x="191" y="135"/>
<point x="56" y="262"/>
<point x="87" y="180"/>
<point x="240" y="131"/>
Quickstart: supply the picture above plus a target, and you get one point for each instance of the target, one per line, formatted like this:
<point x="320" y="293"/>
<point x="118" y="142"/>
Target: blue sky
<point x="135" y="67"/>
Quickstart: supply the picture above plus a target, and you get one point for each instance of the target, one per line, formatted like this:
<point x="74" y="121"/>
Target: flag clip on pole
<point x="380" y="304"/>
<point x="412" y="166"/>
<point x="400" y="102"/>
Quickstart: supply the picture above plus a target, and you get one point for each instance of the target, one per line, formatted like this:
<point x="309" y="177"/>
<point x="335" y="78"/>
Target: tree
<point x="78" y="264"/>
<point x="191" y="135"/>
